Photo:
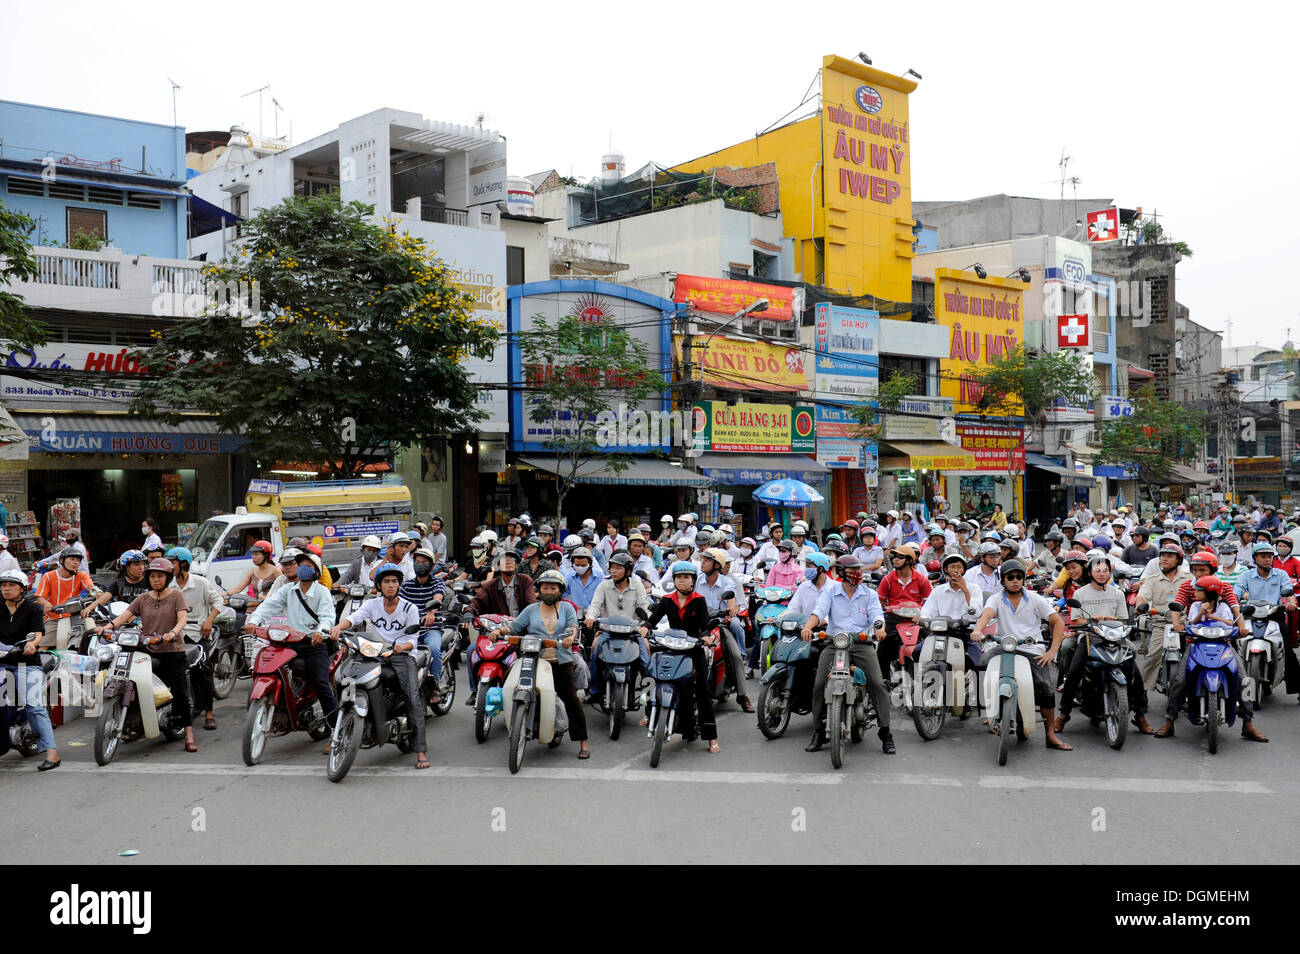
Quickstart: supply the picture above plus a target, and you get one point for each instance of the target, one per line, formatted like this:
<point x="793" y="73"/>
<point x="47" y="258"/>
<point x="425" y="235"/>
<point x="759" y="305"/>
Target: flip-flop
<point x="422" y="763"/>
<point x="584" y="753"/>
<point x="714" y="747"/>
<point x="1060" y="746"/>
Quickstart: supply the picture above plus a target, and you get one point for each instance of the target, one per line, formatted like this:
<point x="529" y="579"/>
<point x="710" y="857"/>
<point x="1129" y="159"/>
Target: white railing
<point x="110" y="281"/>
<point x="59" y="267"/>
<point x="182" y="279"/>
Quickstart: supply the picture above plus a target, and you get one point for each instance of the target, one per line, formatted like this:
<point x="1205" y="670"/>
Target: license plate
<point x="1172" y="641"/>
<point x="123" y="660"/>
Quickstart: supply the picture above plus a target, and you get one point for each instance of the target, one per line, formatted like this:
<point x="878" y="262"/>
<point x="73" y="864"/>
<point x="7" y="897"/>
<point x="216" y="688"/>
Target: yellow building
<point x="846" y="181"/>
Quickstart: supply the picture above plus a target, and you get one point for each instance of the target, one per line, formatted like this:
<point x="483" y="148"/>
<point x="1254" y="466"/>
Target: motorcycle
<point x="226" y="653"/>
<point x="772" y="602"/>
<point x="72" y="629"/>
<point x="1008" y="691"/>
<point x="940" y="685"/>
<point x="530" y="704"/>
<point x="1263" y="651"/>
<point x="353" y="595"/>
<point x="135" y="701"/>
<point x="619" y="653"/>
<point x="1213" y="678"/>
<point x="898" y="672"/>
<point x="489" y="662"/>
<point x="445" y="622"/>
<point x="848" y="704"/>
<point x="22" y="737"/>
<point x="372" y="709"/>
<point x="281" y="699"/>
<point x="788" y="682"/>
<point x="247" y="645"/>
<point x="1171" y="648"/>
<point x="673" y="672"/>
<point x="1103" y="691"/>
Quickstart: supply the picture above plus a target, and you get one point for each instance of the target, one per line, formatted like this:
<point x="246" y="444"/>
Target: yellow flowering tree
<point x="331" y="338"/>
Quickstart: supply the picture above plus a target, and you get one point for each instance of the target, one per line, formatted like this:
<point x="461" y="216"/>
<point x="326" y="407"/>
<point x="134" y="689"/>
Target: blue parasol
<point x="791" y="494"/>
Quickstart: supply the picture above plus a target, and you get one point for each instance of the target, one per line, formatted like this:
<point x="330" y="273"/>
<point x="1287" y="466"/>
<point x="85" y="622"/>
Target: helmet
<point x="180" y="553"/>
<point x="1069" y="523"/>
<point x="850" y="523"/>
<point x="132" y="556"/>
<point x="525" y="521"/>
<point x="1056" y="535"/>
<point x="552" y="576"/>
<point x="489" y="536"/>
<point x="951" y="558"/>
<point x="1259" y="548"/>
<point x="14" y="576"/>
<point x="589" y="524"/>
<point x="907" y="550"/>
<point x="850" y="562"/>
<point x="786" y="545"/>
<point x="1074" y="556"/>
<point x="1009" y="544"/>
<point x="533" y="542"/>
<point x="1212" y="584"/>
<point x="1239" y="518"/>
<point x="387" y="569"/>
<point x="820" y="560"/>
<point x="545" y="528"/>
<point x="1011" y="566"/>
<point x="635" y="535"/>
<point x="621" y="558"/>
<point x="160" y="566"/>
<point x="313" y="559"/>
<point x="991" y="535"/>
<point x="579" y="553"/>
<point x="932" y="528"/>
<point x="1096" y="558"/>
<point x="750" y="541"/>
<point x="427" y="553"/>
<point x="1187" y="532"/>
<point x="587" y="535"/>
<point x="572" y="541"/>
<point x="1227" y="546"/>
<point x="1201" y="525"/>
<point x="685" y="518"/>
<point x="478" y="541"/>
<point x="510" y="552"/>
<point x="834" y="546"/>
<point x="1167" y="538"/>
<point x="988" y="547"/>
<point x="1290" y="544"/>
<point x="1010" y="532"/>
<point x="666" y="518"/>
<point x="1170" y="547"/>
<point x="371" y="541"/>
<point x="685" y="566"/>
<point x="704" y="539"/>
<point x="685" y="544"/>
<point x="68" y="552"/>
<point x="1140" y="531"/>
<point x="798" y="528"/>
<point x="513" y="521"/>
<point x="867" y="532"/>
<point x="1102" y="542"/>
<point x="290" y="555"/>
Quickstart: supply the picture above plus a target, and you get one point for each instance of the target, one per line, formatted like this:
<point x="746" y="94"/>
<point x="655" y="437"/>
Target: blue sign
<point x="54" y="439"/>
<point x="340" y="531"/>
<point x="271" y="487"/>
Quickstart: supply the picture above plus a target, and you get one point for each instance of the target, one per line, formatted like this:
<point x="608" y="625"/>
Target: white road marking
<point x="1172" y="786"/>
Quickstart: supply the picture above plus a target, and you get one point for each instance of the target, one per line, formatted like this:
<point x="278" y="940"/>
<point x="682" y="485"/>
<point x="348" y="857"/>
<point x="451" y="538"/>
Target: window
<point x="239" y="542"/>
<point x="143" y="200"/>
<point x="90" y="221"/>
<point x="737" y="272"/>
<point x="765" y="266"/>
<point x="64" y="190"/>
<point x="25" y="187"/>
<point x="514" y="265"/>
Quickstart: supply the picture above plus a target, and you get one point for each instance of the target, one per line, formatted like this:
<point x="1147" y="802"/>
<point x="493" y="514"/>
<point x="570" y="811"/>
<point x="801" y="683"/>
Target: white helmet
<point x="685" y="518"/>
<point x="489" y="536"/>
<point x="726" y="528"/>
<point x="478" y="541"/>
<point x="371" y="541"/>
<point x="14" y="576"/>
<point x="589" y="524"/>
<point x="666" y="518"/>
<point x="894" y="514"/>
<point x="4" y="541"/>
<point x="571" y="541"/>
<point x="799" y="525"/>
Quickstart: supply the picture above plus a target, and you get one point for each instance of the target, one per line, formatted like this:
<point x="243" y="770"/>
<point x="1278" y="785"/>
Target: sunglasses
<point x="1010" y="577"/>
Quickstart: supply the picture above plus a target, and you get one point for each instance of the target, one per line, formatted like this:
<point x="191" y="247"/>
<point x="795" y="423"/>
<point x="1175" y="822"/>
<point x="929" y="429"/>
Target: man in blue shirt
<point x="847" y="606"/>
<point x="711" y="584"/>
<point x="582" y="580"/>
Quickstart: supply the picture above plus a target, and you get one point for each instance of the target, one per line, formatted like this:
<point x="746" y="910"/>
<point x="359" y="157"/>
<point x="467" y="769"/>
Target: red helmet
<point x="1200" y="525"/>
<point x="1205" y="557"/>
<point x="313" y="548"/>
<point x="1212" y="584"/>
<point x="264" y="546"/>
<point x="849" y="523"/>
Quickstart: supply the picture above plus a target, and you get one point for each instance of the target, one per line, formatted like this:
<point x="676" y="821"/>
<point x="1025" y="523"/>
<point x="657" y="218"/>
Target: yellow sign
<point x="747" y="365"/>
<point x="984" y="318"/>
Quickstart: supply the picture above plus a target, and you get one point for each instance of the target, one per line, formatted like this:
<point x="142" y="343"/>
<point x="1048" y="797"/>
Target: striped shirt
<point x="421" y="593"/>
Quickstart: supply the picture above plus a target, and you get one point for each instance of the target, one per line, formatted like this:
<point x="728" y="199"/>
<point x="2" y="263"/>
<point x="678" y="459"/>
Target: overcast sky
<point x="1187" y="110"/>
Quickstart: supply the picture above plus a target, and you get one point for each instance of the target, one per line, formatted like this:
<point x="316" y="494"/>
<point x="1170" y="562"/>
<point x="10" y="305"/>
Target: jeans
<point x="29" y="679"/>
<point x="738" y="631"/>
<point x="864" y="654"/>
<point x="404" y="669"/>
<point x="432" y="640"/>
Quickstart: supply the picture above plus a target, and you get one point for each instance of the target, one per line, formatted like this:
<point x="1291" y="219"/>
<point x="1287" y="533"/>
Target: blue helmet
<point x="180" y="553"/>
<point x="820" y="560"/>
<point x="685" y="566"/>
<point x="132" y="556"/>
<point x="387" y="569"/>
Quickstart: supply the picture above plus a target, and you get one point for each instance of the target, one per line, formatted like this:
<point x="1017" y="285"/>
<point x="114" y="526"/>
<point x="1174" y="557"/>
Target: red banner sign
<point x="993" y="446"/>
<point x="726" y="297"/>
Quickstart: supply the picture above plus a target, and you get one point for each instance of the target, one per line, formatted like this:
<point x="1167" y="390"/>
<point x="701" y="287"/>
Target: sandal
<point x="422" y="763"/>
<point x="714" y="748"/>
<point x="210" y="722"/>
<point x="191" y="747"/>
<point x="645" y="721"/>
<point x="584" y="753"/>
<point x="1059" y="745"/>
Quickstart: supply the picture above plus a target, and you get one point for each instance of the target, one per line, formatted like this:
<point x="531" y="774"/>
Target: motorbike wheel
<point x="446" y="689"/>
<point x="661" y="733"/>
<point x="835" y="721"/>
<point x="518" y="735"/>
<point x="616" y="694"/>
<point x="1255" y="673"/>
<point x="1116" y="717"/>
<point x="928" y="719"/>
<point x="257" y="725"/>
<point x="108" y="729"/>
<point x="773" y="711"/>
<point x="172" y="733"/>
<point x="344" y="749"/>
<point x="225" y="673"/>
<point x="30" y="747"/>
<point x="1212" y="720"/>
<point x="482" y="721"/>
<point x="1004" y="731"/>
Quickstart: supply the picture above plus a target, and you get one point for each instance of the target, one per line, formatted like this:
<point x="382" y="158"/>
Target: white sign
<point x="1113" y="407"/>
<point x="487" y="174"/>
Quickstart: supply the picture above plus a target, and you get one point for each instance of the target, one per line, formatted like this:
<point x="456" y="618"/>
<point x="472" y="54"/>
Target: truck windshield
<point x="205" y="538"/>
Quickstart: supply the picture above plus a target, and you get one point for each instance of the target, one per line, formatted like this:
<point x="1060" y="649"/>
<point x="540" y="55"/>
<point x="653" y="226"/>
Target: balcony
<point x="446" y="216"/>
<point x="110" y="281"/>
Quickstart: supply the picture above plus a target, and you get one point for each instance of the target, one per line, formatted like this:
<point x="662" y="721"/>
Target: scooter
<point x="849" y="712"/>
<point x="489" y="662"/>
<point x="1008" y="690"/>
<point x="899" y="670"/>
<point x="673" y="672"/>
<point x="227" y="653"/>
<point x="1171" y="647"/>
<point x="281" y="699"/>
<point x="772" y="602"/>
<point x="353" y="595"/>
<point x="788" y="682"/>
<point x="136" y="702"/>
<point x="1103" y="691"/>
<point x="1263" y="651"/>
<point x="619" y="653"/>
<point x="530" y="704"/>
<point x="1213" y="678"/>
<point x="13" y="693"/>
<point x="72" y="629"/>
<point x="372" y="709"/>
<point x="942" y="683"/>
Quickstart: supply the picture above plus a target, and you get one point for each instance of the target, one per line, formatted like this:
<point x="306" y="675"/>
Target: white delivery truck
<point x="340" y="512"/>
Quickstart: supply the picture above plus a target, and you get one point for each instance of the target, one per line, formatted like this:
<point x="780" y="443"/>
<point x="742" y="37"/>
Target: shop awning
<point x="741" y="470"/>
<point x="13" y="442"/>
<point x="924" y="455"/>
<point x="124" y="434"/>
<point x="1063" y="474"/>
<point x="642" y="472"/>
<point x="206" y="217"/>
<point x="1190" y="475"/>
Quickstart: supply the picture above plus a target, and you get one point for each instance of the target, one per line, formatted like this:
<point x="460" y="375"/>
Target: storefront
<point x="912" y="472"/>
<point x="122" y="469"/>
<point x="996" y="475"/>
<point x="1051" y="489"/>
<point x="738" y="475"/>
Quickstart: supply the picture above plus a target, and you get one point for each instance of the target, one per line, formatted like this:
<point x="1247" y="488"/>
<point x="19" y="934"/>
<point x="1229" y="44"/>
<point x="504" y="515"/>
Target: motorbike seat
<point x="193" y="654"/>
<point x="298" y="664"/>
<point x="421" y="656"/>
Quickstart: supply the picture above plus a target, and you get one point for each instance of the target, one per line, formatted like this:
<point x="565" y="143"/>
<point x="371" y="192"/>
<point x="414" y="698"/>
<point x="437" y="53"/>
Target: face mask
<point x="306" y="572"/>
<point x="550" y="599"/>
<point x="746" y="551"/>
<point x="423" y="569"/>
<point x="368" y="557"/>
<point x="476" y="552"/>
<point x="785" y="556"/>
<point x="853" y="577"/>
<point x="145" y="530"/>
<point x="810" y="573"/>
<point x="581" y="567"/>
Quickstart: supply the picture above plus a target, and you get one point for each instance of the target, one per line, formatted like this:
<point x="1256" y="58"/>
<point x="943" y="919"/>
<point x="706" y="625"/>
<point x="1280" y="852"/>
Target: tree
<point x="357" y="344"/>
<point x="575" y="372"/>
<point x="18" y="329"/>
<point x="1158" y="435"/>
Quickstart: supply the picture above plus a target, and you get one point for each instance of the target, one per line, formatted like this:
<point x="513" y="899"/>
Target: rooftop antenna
<point x="259" y="91"/>
<point x="175" y="87"/>
<point x="480" y="119"/>
<point x="277" y="110"/>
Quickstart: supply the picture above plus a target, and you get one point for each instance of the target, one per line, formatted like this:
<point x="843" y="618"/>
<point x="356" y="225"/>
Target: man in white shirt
<point x="891" y="534"/>
<point x="984" y="574"/>
<point x="1021" y="613"/>
<point x="955" y="599"/>
<point x="805" y="597"/>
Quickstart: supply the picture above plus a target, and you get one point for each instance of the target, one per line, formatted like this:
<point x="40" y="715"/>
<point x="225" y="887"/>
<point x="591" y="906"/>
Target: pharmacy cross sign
<point x="1072" y="331"/>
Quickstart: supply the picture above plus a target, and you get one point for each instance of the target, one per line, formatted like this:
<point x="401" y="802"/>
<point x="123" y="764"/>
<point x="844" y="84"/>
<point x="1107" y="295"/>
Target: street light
<point x="1022" y="273"/>
<point x="980" y="270"/>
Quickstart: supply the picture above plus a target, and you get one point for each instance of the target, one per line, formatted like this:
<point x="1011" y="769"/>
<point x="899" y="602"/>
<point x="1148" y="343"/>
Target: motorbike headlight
<point x="356" y="590"/>
<point x="129" y="639"/>
<point x="530" y="644"/>
<point x="277" y="635"/>
<point x="840" y="640"/>
<point x="938" y="626"/>
<point x="370" y="647"/>
<point x="1008" y="644"/>
<point x="675" y="642"/>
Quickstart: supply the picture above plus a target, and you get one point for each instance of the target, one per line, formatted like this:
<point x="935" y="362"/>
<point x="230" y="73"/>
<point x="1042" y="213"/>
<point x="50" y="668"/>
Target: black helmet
<point x="951" y="558"/>
<point x="1140" y="531"/>
<point x="1010" y="566"/>
<point x="1056" y="535"/>
<point x="622" y="558"/>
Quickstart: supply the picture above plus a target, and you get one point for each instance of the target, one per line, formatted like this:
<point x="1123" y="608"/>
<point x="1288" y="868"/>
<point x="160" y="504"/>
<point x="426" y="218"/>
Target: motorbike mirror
<point x="1073" y="603"/>
<point x="728" y="595"/>
<point x="1248" y="611"/>
<point x="1141" y="608"/>
<point x="880" y="624"/>
<point x="1176" y="607"/>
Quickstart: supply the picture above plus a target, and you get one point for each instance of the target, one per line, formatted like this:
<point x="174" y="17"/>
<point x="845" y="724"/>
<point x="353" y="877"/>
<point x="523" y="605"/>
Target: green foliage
<point x="1153" y="233"/>
<point x="17" y="264"/>
<point x="1014" y="383"/>
<point x="871" y="414"/>
<point x="1158" y="435"/>
<point x="576" y="373"/>
<point x="354" y="321"/>
<point x="85" y="241"/>
<point x="704" y="189"/>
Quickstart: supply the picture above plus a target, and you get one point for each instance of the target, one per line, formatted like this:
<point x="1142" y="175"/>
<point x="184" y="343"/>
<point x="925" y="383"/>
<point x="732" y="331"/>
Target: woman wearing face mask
<point x="149" y="530"/>
<point x="479" y="564"/>
<point x="787" y="572"/>
<point x="747" y="561"/>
